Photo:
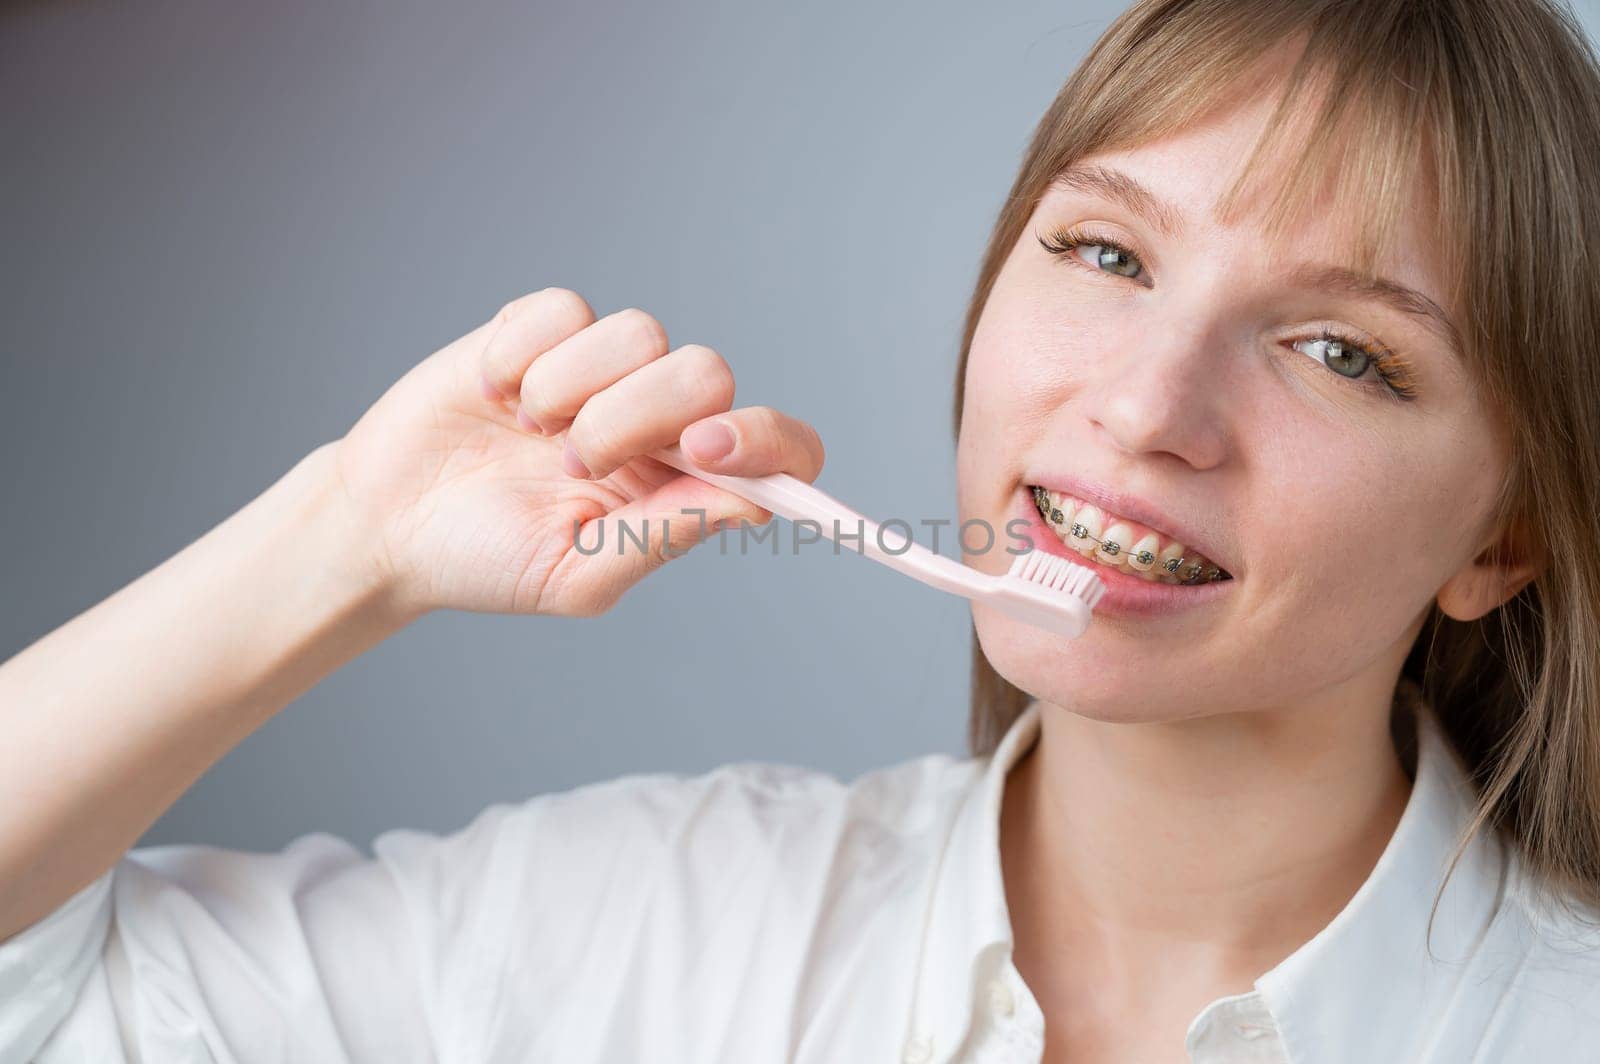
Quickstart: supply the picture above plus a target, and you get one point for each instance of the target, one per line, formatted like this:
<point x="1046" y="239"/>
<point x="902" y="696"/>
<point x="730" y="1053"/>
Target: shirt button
<point x="918" y="1051"/>
<point x="1000" y="998"/>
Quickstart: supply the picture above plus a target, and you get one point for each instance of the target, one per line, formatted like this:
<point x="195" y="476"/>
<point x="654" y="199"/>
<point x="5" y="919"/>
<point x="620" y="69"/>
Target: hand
<point x="473" y="506"/>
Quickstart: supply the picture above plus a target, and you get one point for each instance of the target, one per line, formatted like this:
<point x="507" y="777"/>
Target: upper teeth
<point x="1120" y="543"/>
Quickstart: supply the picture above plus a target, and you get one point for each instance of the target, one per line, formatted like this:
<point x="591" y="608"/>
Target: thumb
<point x="626" y="545"/>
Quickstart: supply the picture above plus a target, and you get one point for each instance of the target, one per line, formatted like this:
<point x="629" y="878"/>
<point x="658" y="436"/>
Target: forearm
<point x="112" y="716"/>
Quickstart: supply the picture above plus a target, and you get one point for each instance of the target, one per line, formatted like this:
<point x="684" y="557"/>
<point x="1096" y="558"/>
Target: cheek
<point x="1033" y="343"/>
<point x="1035" y="348"/>
<point x="1351" y="541"/>
<point x="988" y="429"/>
<point x="1018" y="376"/>
<point x="1005" y="408"/>
<point x="1346" y="511"/>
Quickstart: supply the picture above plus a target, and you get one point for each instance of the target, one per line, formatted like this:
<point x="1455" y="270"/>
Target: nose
<point x="1164" y="393"/>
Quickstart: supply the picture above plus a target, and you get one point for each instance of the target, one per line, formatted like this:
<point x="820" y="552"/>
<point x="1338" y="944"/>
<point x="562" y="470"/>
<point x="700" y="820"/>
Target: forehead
<point x="1191" y="171"/>
<point x="1194" y="168"/>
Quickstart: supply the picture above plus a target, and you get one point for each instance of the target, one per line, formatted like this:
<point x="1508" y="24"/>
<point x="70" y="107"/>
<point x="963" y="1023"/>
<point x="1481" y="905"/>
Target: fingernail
<point x="571" y="464"/>
<point x="708" y="441"/>
<point x="527" y="423"/>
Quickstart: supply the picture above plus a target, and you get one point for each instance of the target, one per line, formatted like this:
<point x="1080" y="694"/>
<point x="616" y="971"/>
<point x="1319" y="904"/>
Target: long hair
<point x="1496" y="104"/>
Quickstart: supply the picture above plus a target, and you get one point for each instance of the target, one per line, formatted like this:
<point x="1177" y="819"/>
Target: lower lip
<point x="1126" y="595"/>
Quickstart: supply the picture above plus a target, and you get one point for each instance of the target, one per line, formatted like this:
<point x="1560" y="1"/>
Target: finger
<point x="527" y="328"/>
<point x="647" y="409"/>
<point x="754" y="441"/>
<point x="556" y="386"/>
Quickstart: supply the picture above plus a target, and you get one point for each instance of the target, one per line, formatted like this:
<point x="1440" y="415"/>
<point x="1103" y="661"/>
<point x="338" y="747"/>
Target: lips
<point x="1121" y="507"/>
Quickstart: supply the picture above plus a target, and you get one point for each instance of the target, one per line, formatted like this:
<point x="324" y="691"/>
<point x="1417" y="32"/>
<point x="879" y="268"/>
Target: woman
<point x="1296" y="293"/>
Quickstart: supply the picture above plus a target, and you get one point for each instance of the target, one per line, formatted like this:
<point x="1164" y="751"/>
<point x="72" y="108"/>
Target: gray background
<point x="226" y="229"/>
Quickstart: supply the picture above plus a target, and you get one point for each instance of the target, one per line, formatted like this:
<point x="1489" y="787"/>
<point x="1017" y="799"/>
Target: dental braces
<point x="1193" y="575"/>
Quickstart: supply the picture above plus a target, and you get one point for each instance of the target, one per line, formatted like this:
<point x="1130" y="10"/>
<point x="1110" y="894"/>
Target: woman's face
<point x="1191" y="378"/>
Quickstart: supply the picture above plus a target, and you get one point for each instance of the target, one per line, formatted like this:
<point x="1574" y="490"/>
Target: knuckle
<point x="534" y="400"/>
<point x="565" y="307"/>
<point x="594" y="439"/>
<point x="811" y="439"/>
<point x="708" y="373"/>
<point x="496" y="359"/>
<point x="507" y="311"/>
<point x="492" y="365"/>
<point x="765" y="429"/>
<point x="643" y="329"/>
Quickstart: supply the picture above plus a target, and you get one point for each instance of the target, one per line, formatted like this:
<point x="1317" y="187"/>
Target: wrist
<point x="346" y="551"/>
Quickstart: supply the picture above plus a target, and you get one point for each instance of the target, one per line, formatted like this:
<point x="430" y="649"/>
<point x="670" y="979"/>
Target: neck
<point x="1213" y="846"/>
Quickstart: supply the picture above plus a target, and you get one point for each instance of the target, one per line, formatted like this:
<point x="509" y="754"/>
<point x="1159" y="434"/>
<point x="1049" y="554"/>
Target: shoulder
<point x="752" y="890"/>
<point x="635" y="839"/>
<point x="1548" y="951"/>
<point x="744" y="807"/>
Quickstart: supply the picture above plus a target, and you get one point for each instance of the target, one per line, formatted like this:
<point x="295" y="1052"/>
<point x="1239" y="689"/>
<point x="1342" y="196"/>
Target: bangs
<point x="1355" y="130"/>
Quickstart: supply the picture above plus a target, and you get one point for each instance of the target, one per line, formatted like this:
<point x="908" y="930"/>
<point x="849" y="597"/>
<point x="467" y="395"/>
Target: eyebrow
<point x="1122" y="188"/>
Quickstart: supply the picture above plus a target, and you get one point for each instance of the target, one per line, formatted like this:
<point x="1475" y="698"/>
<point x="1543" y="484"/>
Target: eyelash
<point x="1063" y="242"/>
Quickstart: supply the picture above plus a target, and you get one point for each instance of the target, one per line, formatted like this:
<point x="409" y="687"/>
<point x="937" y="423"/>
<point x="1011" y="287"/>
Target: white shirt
<point x="757" y="912"/>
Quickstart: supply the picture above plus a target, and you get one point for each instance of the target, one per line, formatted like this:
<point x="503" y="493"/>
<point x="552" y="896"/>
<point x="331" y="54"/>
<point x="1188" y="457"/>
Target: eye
<point x="1103" y="253"/>
<point x="1344" y="355"/>
<point x="1352" y="359"/>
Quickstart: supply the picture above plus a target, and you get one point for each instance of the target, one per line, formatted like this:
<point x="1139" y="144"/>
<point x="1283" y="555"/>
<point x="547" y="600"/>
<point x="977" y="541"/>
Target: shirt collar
<point x="1349" y="993"/>
<point x="1374" y="974"/>
<point x="969" y="924"/>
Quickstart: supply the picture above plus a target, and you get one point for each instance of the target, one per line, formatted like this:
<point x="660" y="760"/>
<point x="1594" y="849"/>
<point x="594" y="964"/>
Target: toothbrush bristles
<point x="1060" y="574"/>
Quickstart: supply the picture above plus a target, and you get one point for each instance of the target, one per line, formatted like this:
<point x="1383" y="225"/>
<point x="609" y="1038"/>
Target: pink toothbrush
<point x="1041" y="589"/>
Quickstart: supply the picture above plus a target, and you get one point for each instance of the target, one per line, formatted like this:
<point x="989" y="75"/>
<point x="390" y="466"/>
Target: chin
<point x="1071" y="673"/>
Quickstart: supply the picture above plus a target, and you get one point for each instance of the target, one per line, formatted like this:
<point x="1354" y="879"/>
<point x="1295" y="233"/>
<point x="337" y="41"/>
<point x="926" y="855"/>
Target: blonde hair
<point x="1496" y="103"/>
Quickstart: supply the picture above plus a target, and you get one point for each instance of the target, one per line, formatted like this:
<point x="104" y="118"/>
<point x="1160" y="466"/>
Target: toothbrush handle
<point x="793" y="498"/>
<point x="781" y="493"/>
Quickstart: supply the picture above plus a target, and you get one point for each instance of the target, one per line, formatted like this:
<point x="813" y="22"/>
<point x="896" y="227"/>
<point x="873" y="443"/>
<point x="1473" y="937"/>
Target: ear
<point x="1485" y="582"/>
